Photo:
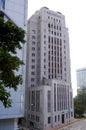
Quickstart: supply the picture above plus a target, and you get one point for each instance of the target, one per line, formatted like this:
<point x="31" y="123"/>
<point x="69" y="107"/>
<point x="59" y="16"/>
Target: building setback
<point x="17" y="12"/>
<point x="49" y="97"/>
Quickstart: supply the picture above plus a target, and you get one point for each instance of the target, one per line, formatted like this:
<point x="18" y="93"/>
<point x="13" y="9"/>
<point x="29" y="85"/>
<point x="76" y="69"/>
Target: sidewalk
<point x="71" y="122"/>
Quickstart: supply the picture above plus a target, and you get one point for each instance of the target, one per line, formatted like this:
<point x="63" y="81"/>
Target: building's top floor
<point x="46" y="13"/>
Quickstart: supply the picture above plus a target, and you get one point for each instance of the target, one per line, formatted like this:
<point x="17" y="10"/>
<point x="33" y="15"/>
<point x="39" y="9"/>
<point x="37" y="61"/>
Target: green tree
<point x="11" y="39"/>
<point x="80" y="102"/>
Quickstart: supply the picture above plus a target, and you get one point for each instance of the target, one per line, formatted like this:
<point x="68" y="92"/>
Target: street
<point x="80" y="125"/>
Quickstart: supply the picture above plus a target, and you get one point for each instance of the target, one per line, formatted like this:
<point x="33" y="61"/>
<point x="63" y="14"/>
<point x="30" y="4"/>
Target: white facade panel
<point x="17" y="12"/>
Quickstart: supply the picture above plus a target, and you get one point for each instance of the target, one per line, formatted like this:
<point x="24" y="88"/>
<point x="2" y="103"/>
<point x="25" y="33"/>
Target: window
<point x="33" y="37"/>
<point x="44" y="60"/>
<point x="49" y="25"/>
<point x="33" y="54"/>
<point x="49" y="120"/>
<point x="55" y="118"/>
<point x="37" y="101"/>
<point x="37" y="118"/>
<point x="54" y="97"/>
<point x="32" y="79"/>
<point x="44" y="36"/>
<point x="33" y="66"/>
<point x="2" y="4"/>
<point x="60" y="28"/>
<point x="71" y="114"/>
<point x="54" y="27"/>
<point x="32" y="117"/>
<point x="44" y="42"/>
<point x="33" y="60"/>
<point x="34" y="31"/>
<point x="44" y="54"/>
<point x="44" y="66"/>
<point x="33" y="101"/>
<point x="49" y="100"/>
<point x="33" y="73"/>
<point x="32" y="85"/>
<point x="33" y="48"/>
<point x="33" y="42"/>
<point x="45" y="47"/>
<point x="54" y="33"/>
<point x="44" y="72"/>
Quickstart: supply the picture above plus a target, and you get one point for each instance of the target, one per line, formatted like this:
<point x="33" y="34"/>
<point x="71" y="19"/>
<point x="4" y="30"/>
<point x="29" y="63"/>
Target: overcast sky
<point x="75" y="15"/>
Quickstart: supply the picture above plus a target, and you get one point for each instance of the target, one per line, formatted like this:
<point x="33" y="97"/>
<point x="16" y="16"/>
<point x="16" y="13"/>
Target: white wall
<point x="17" y="11"/>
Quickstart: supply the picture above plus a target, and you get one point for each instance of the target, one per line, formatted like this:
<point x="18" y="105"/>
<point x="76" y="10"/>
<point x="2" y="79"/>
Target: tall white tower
<point x="48" y="68"/>
<point x="17" y="12"/>
<point x="49" y="56"/>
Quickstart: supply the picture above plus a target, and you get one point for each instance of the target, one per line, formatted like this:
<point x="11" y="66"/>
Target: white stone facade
<point x="48" y="69"/>
<point x="17" y="12"/>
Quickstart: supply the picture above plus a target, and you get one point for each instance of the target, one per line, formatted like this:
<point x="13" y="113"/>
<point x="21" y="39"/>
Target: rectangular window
<point x="37" y="118"/>
<point x="49" y="100"/>
<point x="33" y="101"/>
<point x="33" y="60"/>
<point x="37" y="101"/>
<point x="32" y="117"/>
<point x="33" y="73"/>
<point x="34" y="31"/>
<point x="55" y="118"/>
<point x="32" y="79"/>
<point x="54" y="97"/>
<point x="49" y="120"/>
<point x="33" y="54"/>
<point x="49" y="39"/>
<point x="44" y="36"/>
<point x="57" y="41"/>
<point x="33" y="37"/>
<point x="33" y="66"/>
<point x="33" y="42"/>
<point x="33" y="48"/>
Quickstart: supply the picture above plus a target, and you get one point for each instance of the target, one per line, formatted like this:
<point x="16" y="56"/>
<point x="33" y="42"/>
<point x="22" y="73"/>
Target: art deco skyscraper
<point x="48" y="68"/>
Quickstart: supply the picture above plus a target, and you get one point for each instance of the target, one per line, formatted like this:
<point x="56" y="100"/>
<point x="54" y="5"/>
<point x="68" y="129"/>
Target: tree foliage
<point x="80" y="102"/>
<point x="11" y="39"/>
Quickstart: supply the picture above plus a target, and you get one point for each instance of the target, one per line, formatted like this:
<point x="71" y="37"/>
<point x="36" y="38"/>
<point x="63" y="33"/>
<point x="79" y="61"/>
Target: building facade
<point x="17" y="12"/>
<point x="48" y="70"/>
<point x="81" y="78"/>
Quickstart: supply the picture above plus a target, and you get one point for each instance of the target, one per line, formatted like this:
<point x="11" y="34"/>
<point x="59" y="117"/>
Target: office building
<point x="17" y="12"/>
<point x="50" y="100"/>
<point x="81" y="78"/>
